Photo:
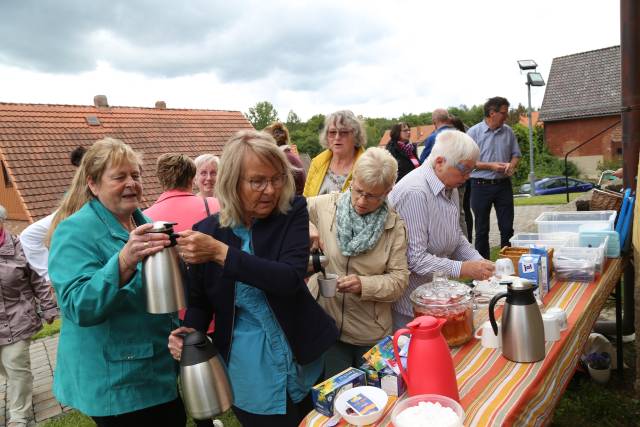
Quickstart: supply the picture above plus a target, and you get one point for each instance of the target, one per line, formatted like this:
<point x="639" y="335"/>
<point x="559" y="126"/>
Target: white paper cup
<point x="486" y="336"/>
<point x="329" y="285"/>
<point x="551" y="327"/>
<point x="561" y="315"/>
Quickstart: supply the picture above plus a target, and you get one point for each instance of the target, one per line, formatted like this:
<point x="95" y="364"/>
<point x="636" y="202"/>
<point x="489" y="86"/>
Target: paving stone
<point x="45" y="381"/>
<point x="48" y="413"/>
<point x="38" y="407"/>
<point x="42" y="396"/>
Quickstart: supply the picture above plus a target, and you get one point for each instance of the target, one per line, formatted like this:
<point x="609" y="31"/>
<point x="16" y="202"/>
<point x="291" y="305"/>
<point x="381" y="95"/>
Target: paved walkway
<point x="43" y="361"/>
<point x="43" y="351"/>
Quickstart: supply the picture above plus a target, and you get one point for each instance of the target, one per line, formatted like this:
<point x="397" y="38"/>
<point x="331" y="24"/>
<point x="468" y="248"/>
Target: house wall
<point x="10" y="199"/>
<point x="562" y="136"/>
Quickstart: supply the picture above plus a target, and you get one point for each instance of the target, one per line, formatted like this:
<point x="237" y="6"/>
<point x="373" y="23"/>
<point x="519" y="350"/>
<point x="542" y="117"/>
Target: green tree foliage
<point x="305" y="135"/>
<point x="545" y="164"/>
<point x="262" y="115"/>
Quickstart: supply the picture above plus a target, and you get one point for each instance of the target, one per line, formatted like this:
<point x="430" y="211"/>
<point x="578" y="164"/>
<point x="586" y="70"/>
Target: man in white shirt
<point x="427" y="200"/>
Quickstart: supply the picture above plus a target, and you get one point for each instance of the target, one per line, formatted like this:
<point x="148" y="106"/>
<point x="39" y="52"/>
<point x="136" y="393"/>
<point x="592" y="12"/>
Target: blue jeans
<point x="484" y="196"/>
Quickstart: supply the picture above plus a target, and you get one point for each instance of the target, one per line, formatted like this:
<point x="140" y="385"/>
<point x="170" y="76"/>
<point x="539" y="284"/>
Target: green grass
<point x="48" y="330"/>
<point x="551" y="199"/>
<point x="76" y="419"/>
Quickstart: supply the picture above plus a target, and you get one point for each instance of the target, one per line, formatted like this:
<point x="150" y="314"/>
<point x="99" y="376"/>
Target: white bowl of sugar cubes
<point x="428" y="410"/>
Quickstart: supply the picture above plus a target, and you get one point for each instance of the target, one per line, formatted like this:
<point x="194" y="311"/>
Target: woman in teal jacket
<point x="112" y="363"/>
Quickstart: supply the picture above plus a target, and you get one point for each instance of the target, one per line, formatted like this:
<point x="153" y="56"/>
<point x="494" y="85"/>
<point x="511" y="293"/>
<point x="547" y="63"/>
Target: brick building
<point x="582" y="101"/>
<point x="36" y="139"/>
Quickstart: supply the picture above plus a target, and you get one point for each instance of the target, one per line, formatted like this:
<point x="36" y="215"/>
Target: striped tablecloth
<point x="495" y="391"/>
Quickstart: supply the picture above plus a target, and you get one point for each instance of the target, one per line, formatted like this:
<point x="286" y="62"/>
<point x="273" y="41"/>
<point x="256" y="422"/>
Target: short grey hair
<point x="347" y="119"/>
<point x="376" y="166"/>
<point x="3" y="214"/>
<point x="205" y="159"/>
<point x="440" y="115"/>
<point x="455" y="147"/>
<point x="230" y="173"/>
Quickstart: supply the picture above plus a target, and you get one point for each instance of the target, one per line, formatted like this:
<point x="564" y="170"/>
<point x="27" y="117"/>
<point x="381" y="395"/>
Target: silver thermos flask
<point x="162" y="275"/>
<point x="203" y="375"/>
<point x="522" y="327"/>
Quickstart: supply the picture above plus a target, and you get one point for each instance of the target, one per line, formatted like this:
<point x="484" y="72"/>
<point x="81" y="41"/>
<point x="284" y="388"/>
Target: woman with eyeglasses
<point x="402" y="149"/>
<point x="366" y="243"/>
<point x="344" y="139"/>
<point x="247" y="267"/>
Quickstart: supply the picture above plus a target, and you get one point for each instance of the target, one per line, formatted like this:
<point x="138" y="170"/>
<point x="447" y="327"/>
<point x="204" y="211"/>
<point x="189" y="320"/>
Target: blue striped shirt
<point x="436" y="241"/>
<point x="498" y="145"/>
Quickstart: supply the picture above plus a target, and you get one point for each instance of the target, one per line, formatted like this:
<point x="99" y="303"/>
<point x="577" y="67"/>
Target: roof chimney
<point x="161" y="105"/>
<point x="100" y="101"/>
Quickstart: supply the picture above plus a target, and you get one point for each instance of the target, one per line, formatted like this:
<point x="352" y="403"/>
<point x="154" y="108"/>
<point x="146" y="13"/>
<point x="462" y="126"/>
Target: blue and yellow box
<point x="325" y="393"/>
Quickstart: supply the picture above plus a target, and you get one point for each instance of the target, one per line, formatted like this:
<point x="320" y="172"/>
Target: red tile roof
<point x="418" y="134"/>
<point x="524" y="119"/>
<point x="35" y="142"/>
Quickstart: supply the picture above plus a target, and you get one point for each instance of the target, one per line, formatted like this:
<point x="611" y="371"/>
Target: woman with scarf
<point x="366" y="243"/>
<point x="402" y="149"/>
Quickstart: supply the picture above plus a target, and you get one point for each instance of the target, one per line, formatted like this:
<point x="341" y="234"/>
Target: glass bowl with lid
<point x="452" y="302"/>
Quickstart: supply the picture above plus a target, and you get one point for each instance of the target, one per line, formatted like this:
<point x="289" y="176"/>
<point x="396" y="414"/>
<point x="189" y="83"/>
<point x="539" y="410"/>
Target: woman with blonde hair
<point x="247" y="267"/>
<point x="112" y="362"/>
<point x="344" y="138"/>
<point x="366" y="243"/>
<point x="206" y="175"/>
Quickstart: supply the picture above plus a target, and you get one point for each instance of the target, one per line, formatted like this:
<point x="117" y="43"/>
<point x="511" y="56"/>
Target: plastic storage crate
<point x="574" y="222"/>
<point x="549" y="240"/>
<point x="595" y="253"/>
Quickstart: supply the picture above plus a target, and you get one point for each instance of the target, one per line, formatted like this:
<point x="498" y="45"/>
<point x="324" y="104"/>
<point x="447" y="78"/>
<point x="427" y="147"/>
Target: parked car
<point x="557" y="185"/>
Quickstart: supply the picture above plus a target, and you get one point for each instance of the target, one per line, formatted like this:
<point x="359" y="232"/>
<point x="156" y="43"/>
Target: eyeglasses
<point x="366" y="196"/>
<point x="406" y="130"/>
<point x="205" y="174"/>
<point x="342" y="133"/>
<point x="464" y="170"/>
<point x="260" y="184"/>
<point x="504" y="113"/>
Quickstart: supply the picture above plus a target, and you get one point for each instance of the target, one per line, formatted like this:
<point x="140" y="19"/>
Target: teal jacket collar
<point x="116" y="229"/>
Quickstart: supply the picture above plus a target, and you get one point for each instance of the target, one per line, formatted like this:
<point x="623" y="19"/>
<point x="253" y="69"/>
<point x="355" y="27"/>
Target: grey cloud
<point x="239" y="41"/>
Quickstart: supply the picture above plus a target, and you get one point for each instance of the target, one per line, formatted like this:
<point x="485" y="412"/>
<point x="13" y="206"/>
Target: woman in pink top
<point x="177" y="203"/>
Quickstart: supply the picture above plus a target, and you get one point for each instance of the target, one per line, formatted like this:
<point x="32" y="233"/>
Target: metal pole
<point x="532" y="174"/>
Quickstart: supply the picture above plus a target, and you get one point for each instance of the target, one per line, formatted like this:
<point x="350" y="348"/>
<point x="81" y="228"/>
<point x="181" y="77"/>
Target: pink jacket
<point x="182" y="207"/>
<point x="19" y="288"/>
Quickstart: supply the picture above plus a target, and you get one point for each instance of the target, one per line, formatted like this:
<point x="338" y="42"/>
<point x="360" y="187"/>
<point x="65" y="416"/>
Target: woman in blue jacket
<point x="112" y="363"/>
<point x="247" y="267"/>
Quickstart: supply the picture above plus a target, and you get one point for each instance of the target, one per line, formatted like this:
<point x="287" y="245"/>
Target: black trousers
<point x="485" y="196"/>
<point x="466" y="207"/>
<point x="170" y="414"/>
<point x="295" y="413"/>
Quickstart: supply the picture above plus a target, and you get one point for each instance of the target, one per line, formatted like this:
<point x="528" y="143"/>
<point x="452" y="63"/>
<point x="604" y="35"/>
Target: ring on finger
<point x="146" y="244"/>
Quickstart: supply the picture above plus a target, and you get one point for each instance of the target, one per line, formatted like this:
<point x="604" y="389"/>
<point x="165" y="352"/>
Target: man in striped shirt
<point x="427" y="200"/>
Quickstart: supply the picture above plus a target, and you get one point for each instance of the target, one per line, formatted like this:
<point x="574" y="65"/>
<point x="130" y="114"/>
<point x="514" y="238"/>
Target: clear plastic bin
<point x="574" y="270"/>
<point x="553" y="222"/>
<point x="548" y="240"/>
<point x="596" y="253"/>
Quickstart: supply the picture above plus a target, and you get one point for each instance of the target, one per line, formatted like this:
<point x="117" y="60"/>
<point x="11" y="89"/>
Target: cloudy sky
<point x="378" y="58"/>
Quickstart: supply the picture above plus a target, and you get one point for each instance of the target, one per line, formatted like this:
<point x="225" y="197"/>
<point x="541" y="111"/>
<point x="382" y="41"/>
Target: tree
<point x="262" y="115"/>
<point x="293" y="121"/>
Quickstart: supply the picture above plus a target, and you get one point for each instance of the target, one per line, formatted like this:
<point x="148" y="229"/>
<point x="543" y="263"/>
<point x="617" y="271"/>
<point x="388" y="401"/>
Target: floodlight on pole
<point x="533" y="79"/>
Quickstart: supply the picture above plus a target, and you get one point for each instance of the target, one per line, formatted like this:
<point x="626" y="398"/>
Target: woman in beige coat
<point x="19" y="320"/>
<point x="366" y="243"/>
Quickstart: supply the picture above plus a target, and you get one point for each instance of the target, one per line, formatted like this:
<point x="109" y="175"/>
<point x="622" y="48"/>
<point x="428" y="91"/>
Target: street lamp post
<point x="533" y="79"/>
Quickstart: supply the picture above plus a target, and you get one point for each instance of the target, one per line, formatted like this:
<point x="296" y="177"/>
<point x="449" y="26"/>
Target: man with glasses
<point x="491" y="182"/>
<point x="442" y="121"/>
<point x="427" y="200"/>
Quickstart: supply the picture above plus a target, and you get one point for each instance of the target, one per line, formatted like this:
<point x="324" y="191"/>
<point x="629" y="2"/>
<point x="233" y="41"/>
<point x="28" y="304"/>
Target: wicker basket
<point x="604" y="200"/>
